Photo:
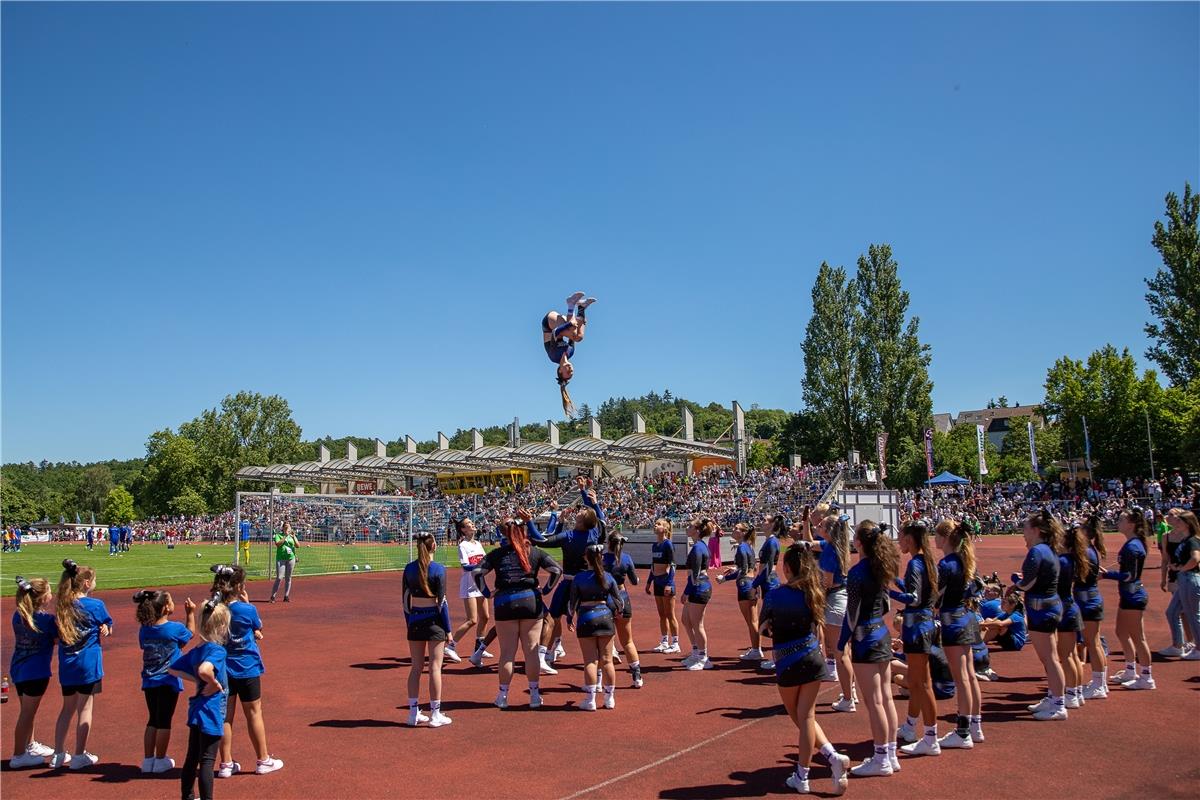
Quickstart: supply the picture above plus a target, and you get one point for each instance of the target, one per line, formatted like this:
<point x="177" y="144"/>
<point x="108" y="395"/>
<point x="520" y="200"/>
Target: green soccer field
<point x="151" y="565"/>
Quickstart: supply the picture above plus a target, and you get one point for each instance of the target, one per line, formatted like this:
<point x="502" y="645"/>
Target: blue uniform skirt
<point x="798" y="661"/>
<point x="518" y="604"/>
<point x="746" y="589"/>
<point x="960" y="628"/>
<point x="1133" y="596"/>
<point x="596" y="620"/>
<point x="698" y="593"/>
<point x="1072" y="619"/>
<point x="870" y="643"/>
<point x="429" y="624"/>
<point x="1042" y="614"/>
<point x="1091" y="604"/>
<point x="918" y="630"/>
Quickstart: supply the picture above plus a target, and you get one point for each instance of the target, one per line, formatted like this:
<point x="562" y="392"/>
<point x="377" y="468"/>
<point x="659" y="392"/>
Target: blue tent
<point x="946" y="479"/>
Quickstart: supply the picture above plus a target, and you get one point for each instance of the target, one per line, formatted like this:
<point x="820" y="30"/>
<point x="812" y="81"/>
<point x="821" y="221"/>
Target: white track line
<point x="671" y="757"/>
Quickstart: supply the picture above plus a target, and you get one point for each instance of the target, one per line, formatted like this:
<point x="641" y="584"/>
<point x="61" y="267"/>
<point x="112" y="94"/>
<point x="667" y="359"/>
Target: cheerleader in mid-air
<point x="560" y="334"/>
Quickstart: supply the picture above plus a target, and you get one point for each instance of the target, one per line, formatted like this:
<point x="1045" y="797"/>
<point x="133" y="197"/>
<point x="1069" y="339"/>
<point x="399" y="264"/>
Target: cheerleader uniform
<point x="470" y="553"/>
<point x="663" y="553"/>
<point x="916" y="593"/>
<point x="1039" y="581"/>
<point x="1128" y="575"/>
<point x="768" y="554"/>
<point x="517" y="593"/>
<point x="743" y="565"/>
<point x="592" y="601"/>
<point x="1072" y="620"/>
<point x="864" y="625"/>
<point x="622" y="571"/>
<point x="426" y="622"/>
<point x="1087" y="593"/>
<point x="788" y="620"/>
<point x="960" y="625"/>
<point x="698" y="589"/>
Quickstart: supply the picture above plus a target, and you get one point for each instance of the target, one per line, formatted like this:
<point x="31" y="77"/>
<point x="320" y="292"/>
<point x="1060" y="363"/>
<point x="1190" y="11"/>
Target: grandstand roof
<point x="583" y="452"/>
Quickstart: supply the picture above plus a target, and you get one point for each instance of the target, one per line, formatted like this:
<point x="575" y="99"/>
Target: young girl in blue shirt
<point x="82" y="621"/>
<point x="161" y="641"/>
<point x="34" y="632"/>
<point x="205" y="665"/>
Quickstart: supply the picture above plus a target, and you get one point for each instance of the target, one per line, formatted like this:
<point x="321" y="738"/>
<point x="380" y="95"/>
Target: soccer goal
<point x="337" y="532"/>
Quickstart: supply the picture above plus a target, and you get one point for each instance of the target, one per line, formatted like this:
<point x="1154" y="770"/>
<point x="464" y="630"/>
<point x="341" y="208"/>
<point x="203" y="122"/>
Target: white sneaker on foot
<point x="1051" y="714"/>
<point x="673" y="648"/>
<point x="84" y="760"/>
<point x="798" y="783"/>
<point x="637" y="683"/>
<point x="922" y="747"/>
<point x="270" y="764"/>
<point x="39" y="749"/>
<point x="875" y="766"/>
<point x="1174" y="651"/>
<point x="228" y="769"/>
<point x="574" y="298"/>
<point x="906" y="734"/>
<point x="486" y="654"/>
<point x="610" y="699"/>
<point x="1123" y="675"/>
<point x="452" y="655"/>
<point x="1192" y="655"/>
<point x="26" y="759"/>
<point x="1095" y="691"/>
<point x="977" y="732"/>
<point x="1141" y="682"/>
<point x="846" y="705"/>
<point x="689" y="658"/>
<point x="661" y="647"/>
<point x="586" y="302"/>
<point x="1071" y="701"/>
<point x="753" y="654"/>
<point x="589" y="703"/>
<point x="559" y="651"/>
<point x="437" y="719"/>
<point x="1041" y="705"/>
<point x="416" y="718"/>
<point x="952" y="741"/>
<point x="830" y="675"/>
<point x="535" y="699"/>
<point x="148" y="765"/>
<point x="501" y="700"/>
<point x="476" y="659"/>
<point x="60" y="760"/>
<point x="839" y="766"/>
<point x="767" y="665"/>
<point x="546" y="668"/>
<point x="163" y="765"/>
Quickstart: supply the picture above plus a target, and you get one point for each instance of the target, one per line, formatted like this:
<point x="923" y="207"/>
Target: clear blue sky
<point x="368" y="208"/>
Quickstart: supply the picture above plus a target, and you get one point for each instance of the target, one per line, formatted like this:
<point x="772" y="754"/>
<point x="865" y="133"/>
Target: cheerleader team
<point x="827" y="620"/>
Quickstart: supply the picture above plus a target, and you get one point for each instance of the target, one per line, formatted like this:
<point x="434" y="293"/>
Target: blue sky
<point x="368" y="208"/>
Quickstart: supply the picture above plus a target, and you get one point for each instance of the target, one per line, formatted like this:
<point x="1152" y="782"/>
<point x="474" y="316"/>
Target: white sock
<point x="414" y="704"/>
<point x="435" y="706"/>
<point x="504" y="689"/>
<point x="1130" y="666"/>
<point x="542" y="652"/>
<point x="931" y="731"/>
<point x="609" y="689"/>
<point x="703" y="655"/>
<point x="1097" y="679"/>
<point x="828" y="750"/>
<point x="802" y="772"/>
<point x="911" y="722"/>
<point x="674" y="640"/>
<point x="557" y="643"/>
<point x="891" y="749"/>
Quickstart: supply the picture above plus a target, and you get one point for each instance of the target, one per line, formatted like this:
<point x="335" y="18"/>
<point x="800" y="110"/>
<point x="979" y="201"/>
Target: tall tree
<point x="172" y="469"/>
<point x="93" y="488"/>
<point x="118" y="506"/>
<point x="1174" y="291"/>
<point x="892" y="361"/>
<point x="832" y="384"/>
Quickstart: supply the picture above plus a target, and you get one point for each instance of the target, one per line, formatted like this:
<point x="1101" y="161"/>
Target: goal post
<point x="338" y="533"/>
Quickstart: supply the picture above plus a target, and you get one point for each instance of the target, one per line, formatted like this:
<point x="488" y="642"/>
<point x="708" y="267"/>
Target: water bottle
<point x="4" y="690"/>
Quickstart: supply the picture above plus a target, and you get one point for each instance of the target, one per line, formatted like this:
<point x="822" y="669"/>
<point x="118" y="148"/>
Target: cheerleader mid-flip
<point x="560" y="334"/>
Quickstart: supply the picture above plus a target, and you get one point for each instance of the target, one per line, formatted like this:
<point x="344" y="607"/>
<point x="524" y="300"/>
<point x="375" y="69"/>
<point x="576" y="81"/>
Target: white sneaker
<point x="573" y="299"/>
<point x="589" y="703"/>
<point x="661" y="647"/>
<point x="610" y="699"/>
<point x="437" y="719"/>
<point x="699" y="664"/>
<point x="1095" y="692"/>
<point x="163" y="765"/>
<point x="1071" y="701"/>
<point x="1123" y="675"/>
<point x="844" y="704"/>
<point x="906" y="734"/>
<point x="60" y="760"/>
<point x="535" y="699"/>
<point x="559" y="652"/>
<point x="616" y="657"/>
<point x="546" y="669"/>
<point x="476" y="659"/>
<point x="26" y="759"/>
<point x="1141" y="682"/>
<point x="415" y="718"/>
<point x="839" y="765"/>
<point x="148" y="765"/>
<point x="873" y="767"/>
<point x="1051" y="714"/>
<point x="228" y="769"/>
<point x="977" y="732"/>
<point x="502" y="700"/>
<point x="922" y="747"/>
<point x="952" y="741"/>
<point x="1192" y="655"/>
<point x="798" y="783"/>
<point x="270" y="764"/>
<point x="673" y="648"/>
<point x="486" y="654"/>
<point x="894" y="760"/>
<point x="452" y="655"/>
<point x="637" y="683"/>
<point x="1172" y="652"/>
<point x="767" y="665"/>
<point x="586" y="302"/>
<point x="1042" y="704"/>
<point x="39" y="749"/>
<point x="84" y="760"/>
<point x="830" y="675"/>
<point x="689" y="659"/>
<point x="753" y="654"/>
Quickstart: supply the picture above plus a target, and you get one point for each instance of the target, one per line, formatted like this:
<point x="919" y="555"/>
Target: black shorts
<point x="698" y="594"/>
<point x="560" y="598"/>
<point x="917" y="634"/>
<point x="1072" y="620"/>
<point x="960" y="628"/>
<point x="427" y="630"/>
<point x="246" y="689"/>
<point x="871" y="644"/>
<point x="809" y="669"/>
<point x="1135" y="602"/>
<point x="516" y="605"/>
<point x="626" y="609"/>
<point x="664" y="585"/>
<point x="595" y="621"/>
<point x="1043" y="620"/>
<point x="83" y="688"/>
<point x="33" y="688"/>
<point x="160" y="703"/>
<point x="746" y="590"/>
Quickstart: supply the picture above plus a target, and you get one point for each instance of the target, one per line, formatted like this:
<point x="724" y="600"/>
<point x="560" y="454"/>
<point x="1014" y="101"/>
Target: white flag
<point x="979" y="440"/>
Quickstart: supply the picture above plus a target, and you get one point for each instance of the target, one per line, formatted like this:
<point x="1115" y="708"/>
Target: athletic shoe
<point x="699" y="664"/>
<point x="616" y="657"/>
<point x="502" y="700"/>
<point x="894" y="760"/>
<point x="163" y="765"/>
<point x="661" y="647"/>
<point x="983" y="676"/>
<point x="586" y="302"/>
<point x="1141" y="682"/>
<point x="839" y="765"/>
<point x="452" y="655"/>
<point x="688" y="659"/>
<point x="559" y="652"/>
<point x="952" y="741"/>
<point x="922" y="747"/>
<point x="1079" y="696"/>
<point x="228" y="769"/>
<point x="1123" y="675"/>
<point x="1051" y="714"/>
<point x="535" y="699"/>
<point x="906" y="734"/>
<point x="1174" y="651"/>
<point x="830" y="675"/>
<point x="26" y="759"/>
<point x="271" y="764"/>
<point x="573" y="299"/>
<point x="84" y="760"/>
<point x="610" y="699"/>
<point x="1070" y="701"/>
<point x="708" y="664"/>
<point x="1192" y="655"/>
<point x="1095" y="691"/>
<point x="60" y="760"/>
<point x="546" y="668"/>
<point x="39" y="749"/>
<point x="476" y="659"/>
<point x="415" y="718"/>
<point x="1041" y="705"/>
<point x="589" y="703"/>
<point x="842" y="704"/>
<point x="436" y="720"/>
<point x="637" y="683"/>
<point x="977" y="732"/>
<point x="674" y="648"/>
<point x="798" y="783"/>
<point x="767" y="665"/>
<point x="148" y="765"/>
<point x="486" y="654"/>
<point x="873" y="767"/>
<point x="753" y="654"/>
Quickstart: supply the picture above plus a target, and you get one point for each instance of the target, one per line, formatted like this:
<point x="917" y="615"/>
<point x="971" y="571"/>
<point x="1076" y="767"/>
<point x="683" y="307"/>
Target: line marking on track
<point x="672" y="756"/>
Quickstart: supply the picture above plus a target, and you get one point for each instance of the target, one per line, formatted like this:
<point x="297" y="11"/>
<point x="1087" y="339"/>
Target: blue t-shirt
<point x="206" y="712"/>
<point x="1017" y="633"/>
<point x="114" y="534"/>
<point x="1039" y="573"/>
<point x="244" y="660"/>
<point x="160" y="647"/>
<point x="244" y="531"/>
<point x="32" y="649"/>
<point x="828" y="562"/>
<point x="82" y="663"/>
<point x="990" y="609"/>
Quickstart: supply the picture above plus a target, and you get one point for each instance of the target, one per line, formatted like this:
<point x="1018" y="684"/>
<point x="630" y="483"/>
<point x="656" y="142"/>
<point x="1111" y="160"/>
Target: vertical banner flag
<point x="979" y="442"/>
<point x="1087" y="446"/>
<point x="1032" y="450"/>
<point x="881" y="452"/>
<point x="929" y="451"/>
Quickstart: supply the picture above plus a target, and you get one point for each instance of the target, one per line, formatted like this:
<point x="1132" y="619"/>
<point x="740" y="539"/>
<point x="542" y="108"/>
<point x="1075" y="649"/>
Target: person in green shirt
<point x="1160" y="527"/>
<point x="285" y="561"/>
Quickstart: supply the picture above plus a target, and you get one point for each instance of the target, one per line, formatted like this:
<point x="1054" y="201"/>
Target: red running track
<point x="334" y="701"/>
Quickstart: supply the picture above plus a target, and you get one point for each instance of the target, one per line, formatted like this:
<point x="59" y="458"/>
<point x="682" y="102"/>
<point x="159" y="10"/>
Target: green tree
<point x="892" y="361"/>
<point x="1174" y="291"/>
<point x="172" y="469"/>
<point x="832" y="384"/>
<point x="118" y="506"/>
<point x="806" y="436"/>
<point x="16" y="508"/>
<point x="93" y="488"/>
<point x="188" y="503"/>
<point x="759" y="457"/>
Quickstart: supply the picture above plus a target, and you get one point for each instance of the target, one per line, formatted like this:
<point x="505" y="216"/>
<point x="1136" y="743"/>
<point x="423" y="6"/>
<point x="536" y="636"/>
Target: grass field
<point x="154" y="565"/>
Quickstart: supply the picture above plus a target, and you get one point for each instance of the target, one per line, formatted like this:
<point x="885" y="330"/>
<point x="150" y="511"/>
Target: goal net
<point x="336" y="532"/>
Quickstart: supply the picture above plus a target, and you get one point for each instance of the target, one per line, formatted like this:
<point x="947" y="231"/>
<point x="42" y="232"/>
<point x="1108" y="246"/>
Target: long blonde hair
<point x="31" y="593"/>
<point x="960" y="540"/>
<point x="838" y="531"/>
<point x="426" y="545"/>
<point x="75" y="582"/>
<point x="805" y="575"/>
<point x="214" y="624"/>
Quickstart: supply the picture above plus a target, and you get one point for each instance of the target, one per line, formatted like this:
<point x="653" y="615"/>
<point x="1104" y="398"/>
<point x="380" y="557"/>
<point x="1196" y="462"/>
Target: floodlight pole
<point x="1149" y="443"/>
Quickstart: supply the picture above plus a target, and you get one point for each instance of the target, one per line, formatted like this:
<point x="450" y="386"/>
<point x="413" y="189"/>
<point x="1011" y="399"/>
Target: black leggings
<point x="201" y="754"/>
